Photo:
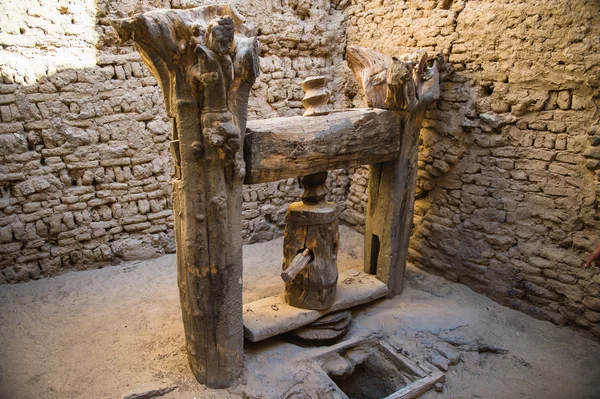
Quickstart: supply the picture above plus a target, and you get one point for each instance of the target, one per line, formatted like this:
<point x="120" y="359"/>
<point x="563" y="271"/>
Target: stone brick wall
<point x="509" y="157"/>
<point x="84" y="163"/>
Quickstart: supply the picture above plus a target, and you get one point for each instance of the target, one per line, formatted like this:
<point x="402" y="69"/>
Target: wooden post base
<point x="313" y="227"/>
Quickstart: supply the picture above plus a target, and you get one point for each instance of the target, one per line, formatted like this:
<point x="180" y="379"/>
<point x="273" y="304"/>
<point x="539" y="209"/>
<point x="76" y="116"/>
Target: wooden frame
<point x="206" y="62"/>
<point x="422" y="377"/>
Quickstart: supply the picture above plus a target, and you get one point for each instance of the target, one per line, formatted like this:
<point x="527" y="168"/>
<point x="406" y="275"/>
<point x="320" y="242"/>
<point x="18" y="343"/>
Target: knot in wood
<point x="197" y="149"/>
<point x="219" y="201"/>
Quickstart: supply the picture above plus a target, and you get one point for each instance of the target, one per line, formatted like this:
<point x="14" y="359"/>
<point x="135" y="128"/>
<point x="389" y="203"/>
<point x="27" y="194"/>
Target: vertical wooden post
<point x="206" y="67"/>
<point x="390" y="212"/>
<point x="407" y="87"/>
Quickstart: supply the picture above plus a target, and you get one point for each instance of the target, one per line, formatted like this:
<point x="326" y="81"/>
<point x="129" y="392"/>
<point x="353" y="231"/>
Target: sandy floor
<point x="105" y="333"/>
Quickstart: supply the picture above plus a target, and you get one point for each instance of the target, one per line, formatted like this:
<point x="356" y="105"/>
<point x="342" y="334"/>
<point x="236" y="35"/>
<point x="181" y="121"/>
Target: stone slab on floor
<point x="272" y="316"/>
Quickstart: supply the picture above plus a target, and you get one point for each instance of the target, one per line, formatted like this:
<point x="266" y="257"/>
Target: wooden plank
<point x="271" y="316"/>
<point x="280" y="148"/>
<point x="400" y="360"/>
<point x="326" y="351"/>
<point x="418" y="387"/>
<point x="389" y="215"/>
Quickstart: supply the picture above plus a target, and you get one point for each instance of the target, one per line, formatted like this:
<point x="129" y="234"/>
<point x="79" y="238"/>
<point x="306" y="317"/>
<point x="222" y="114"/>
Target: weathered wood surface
<point x="316" y="96"/>
<point x="425" y="379"/>
<point x="400" y="360"/>
<point x="279" y="148"/>
<point x="206" y="68"/>
<point x="419" y="387"/>
<point x="272" y="316"/>
<point x="370" y="70"/>
<point x="313" y="287"/>
<point x="323" y="354"/>
<point x="410" y="87"/>
<point x="296" y="265"/>
<point x="314" y="187"/>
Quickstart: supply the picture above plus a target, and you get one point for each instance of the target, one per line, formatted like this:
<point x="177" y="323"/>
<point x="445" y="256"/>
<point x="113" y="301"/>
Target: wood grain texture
<point x="316" y="96"/>
<point x="296" y="265"/>
<point x="314" y="286"/>
<point x="370" y="70"/>
<point x="401" y="361"/>
<point x="410" y="87"/>
<point x="206" y="67"/>
<point x="419" y="387"/>
<point x="272" y="316"/>
<point x="279" y="148"/>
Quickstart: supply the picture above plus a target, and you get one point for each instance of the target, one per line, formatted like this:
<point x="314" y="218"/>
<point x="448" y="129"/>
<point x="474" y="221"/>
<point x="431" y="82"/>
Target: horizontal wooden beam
<point x="280" y="148"/>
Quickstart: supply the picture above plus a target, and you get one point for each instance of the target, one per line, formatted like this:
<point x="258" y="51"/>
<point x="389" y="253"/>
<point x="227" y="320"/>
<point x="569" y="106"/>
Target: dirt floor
<point x="117" y="331"/>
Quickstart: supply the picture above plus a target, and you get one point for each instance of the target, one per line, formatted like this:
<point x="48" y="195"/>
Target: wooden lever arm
<point x="297" y="265"/>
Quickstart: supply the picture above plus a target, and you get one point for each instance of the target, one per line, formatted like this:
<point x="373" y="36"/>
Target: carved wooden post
<point x="206" y="67"/>
<point x="407" y="87"/>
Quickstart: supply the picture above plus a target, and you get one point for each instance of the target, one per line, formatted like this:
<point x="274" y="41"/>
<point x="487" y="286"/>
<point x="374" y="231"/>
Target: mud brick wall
<point x="84" y="164"/>
<point x="509" y="158"/>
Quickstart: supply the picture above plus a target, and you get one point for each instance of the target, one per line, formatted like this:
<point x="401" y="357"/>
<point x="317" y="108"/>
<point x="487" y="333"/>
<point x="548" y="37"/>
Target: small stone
<point x="339" y="367"/>
<point x="496" y="121"/>
<point x="449" y="352"/>
<point x="143" y="206"/>
<point x="564" y="99"/>
<point x="592" y="303"/>
<point x="439" y="361"/>
<point x="593" y="152"/>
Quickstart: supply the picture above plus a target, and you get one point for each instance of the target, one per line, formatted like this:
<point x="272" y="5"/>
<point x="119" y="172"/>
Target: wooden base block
<point x="271" y="316"/>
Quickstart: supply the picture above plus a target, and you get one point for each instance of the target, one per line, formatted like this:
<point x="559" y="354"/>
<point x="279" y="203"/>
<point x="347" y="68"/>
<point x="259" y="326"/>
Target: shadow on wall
<point x="84" y="164"/>
<point x="516" y="214"/>
<point x="85" y="170"/>
<point x="516" y="217"/>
